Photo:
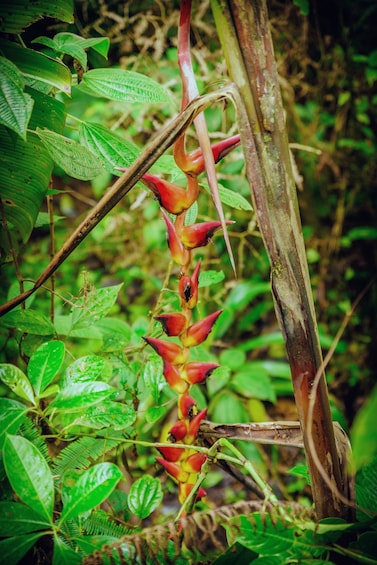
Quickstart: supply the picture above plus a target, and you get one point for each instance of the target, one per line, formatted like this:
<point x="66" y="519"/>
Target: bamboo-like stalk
<point x="246" y="41"/>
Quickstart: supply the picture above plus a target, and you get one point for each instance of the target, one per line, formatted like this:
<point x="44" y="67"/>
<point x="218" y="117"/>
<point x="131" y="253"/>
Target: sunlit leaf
<point x="29" y="475"/>
<point x="16" y="15"/>
<point x="12" y="414"/>
<point x="17" y="381"/>
<point x="85" y="369"/>
<point x="15" y="105"/>
<point x="44" y="364"/>
<point x="144" y="496"/>
<point x="75" y="159"/>
<point x="78" y="396"/>
<point x="92" y="488"/>
<point x="107" y="414"/>
<point x="119" y="84"/>
<point x="29" y="321"/>
<point x="232" y="198"/>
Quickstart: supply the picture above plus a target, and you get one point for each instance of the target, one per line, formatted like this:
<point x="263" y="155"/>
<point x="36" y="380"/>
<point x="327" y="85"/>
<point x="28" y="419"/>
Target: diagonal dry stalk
<point x="246" y="40"/>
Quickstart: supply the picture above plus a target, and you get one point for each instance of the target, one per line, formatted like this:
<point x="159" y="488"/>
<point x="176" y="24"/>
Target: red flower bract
<point x="198" y="235"/>
<point x="172" y="197"/>
<point x="199" y="331"/>
<point x="170" y="352"/>
<point x="172" y="324"/>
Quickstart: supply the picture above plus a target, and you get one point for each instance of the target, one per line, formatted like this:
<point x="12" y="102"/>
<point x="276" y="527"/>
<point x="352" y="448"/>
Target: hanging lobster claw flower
<point x="194" y="462"/>
<point x="178" y="252"/>
<point x="170" y="352"/>
<point x="188" y="288"/>
<point x="184" y="490"/>
<point x="199" y="235"/>
<point x="186" y="407"/>
<point x="196" y="372"/>
<point x="172" y="324"/>
<point x="194" y="426"/>
<point x="174" y="379"/>
<point x="178" y="431"/>
<point x="172" y="454"/>
<point x="198" y="332"/>
<point x="172" y="197"/>
<point x="193" y="163"/>
<point x="174" y="469"/>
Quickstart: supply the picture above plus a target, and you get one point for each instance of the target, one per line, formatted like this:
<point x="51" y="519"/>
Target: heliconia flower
<point x="172" y="197"/>
<point x="199" y="235"/>
<point x="174" y="379"/>
<point x="170" y="352"/>
<point x="188" y="288"/>
<point x="186" y="407"/>
<point x="194" y="462"/>
<point x="193" y="163"/>
<point x="174" y="469"/>
<point x="178" y="431"/>
<point x="171" y="453"/>
<point x="196" y="372"/>
<point x="172" y="324"/>
<point x="178" y="252"/>
<point x="198" y="332"/>
<point x="184" y="490"/>
<point x="194" y="426"/>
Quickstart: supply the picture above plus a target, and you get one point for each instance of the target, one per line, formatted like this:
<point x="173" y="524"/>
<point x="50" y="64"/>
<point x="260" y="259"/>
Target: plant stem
<point x="247" y="44"/>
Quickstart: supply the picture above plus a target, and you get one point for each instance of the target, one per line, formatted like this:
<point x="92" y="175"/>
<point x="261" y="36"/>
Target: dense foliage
<point x="84" y="402"/>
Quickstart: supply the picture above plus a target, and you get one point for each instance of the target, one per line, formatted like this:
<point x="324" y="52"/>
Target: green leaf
<point x="27" y="164"/>
<point x="264" y="537"/>
<point x="16" y="519"/>
<point x="38" y="67"/>
<point x="13" y="549"/>
<point x="29" y="321"/>
<point x="153" y="379"/>
<point x="44" y="364"/>
<point x="303" y="5"/>
<point x="78" y="396"/>
<point x="108" y="414"/>
<point x="364" y="432"/>
<point x="74" y="45"/>
<point x="75" y="159"/>
<point x="64" y="554"/>
<point x="253" y="382"/>
<point x="17" y="381"/>
<point x="29" y="475"/>
<point x="12" y="414"/>
<point x="113" y="150"/>
<point x="231" y="198"/>
<point x="16" y="15"/>
<point x="118" y="84"/>
<point x="366" y="489"/>
<point x="227" y="408"/>
<point x="209" y="278"/>
<point x="144" y="496"/>
<point x="94" y="306"/>
<point x="116" y="334"/>
<point x="84" y="369"/>
<point x="91" y="489"/>
<point x="15" y="105"/>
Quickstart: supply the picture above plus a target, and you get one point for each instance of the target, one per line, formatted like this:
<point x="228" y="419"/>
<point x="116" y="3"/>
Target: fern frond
<point x="200" y="534"/>
<point x="99" y="523"/>
<point x="81" y="453"/>
<point x="30" y="431"/>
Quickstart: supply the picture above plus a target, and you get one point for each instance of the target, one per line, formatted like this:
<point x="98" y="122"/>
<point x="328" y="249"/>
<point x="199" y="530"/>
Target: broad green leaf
<point x="262" y="341"/>
<point x="263" y="537"/>
<point x="29" y="321"/>
<point x="91" y="489"/>
<point x="116" y="334"/>
<point x="366" y="490"/>
<point x="94" y="306"/>
<point x="64" y="554"/>
<point x="364" y="432"/>
<point x="13" y="549"/>
<point x="29" y="475"/>
<point x="16" y="15"/>
<point x="232" y="198"/>
<point x="75" y="159"/>
<point x="44" y="364"/>
<point x="78" y="396"/>
<point x="154" y="413"/>
<point x="38" y="67"/>
<point x="253" y="382"/>
<point x="74" y="45"/>
<point x="16" y="519"/>
<point x="107" y="414"/>
<point x="153" y="378"/>
<point x="118" y="84"/>
<point x="27" y="165"/>
<point x="113" y="150"/>
<point x="12" y="414"/>
<point x="85" y="369"/>
<point x="17" y="381"/>
<point x="227" y="408"/>
<point x="208" y="278"/>
<point x="144" y="496"/>
<point x="15" y="105"/>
